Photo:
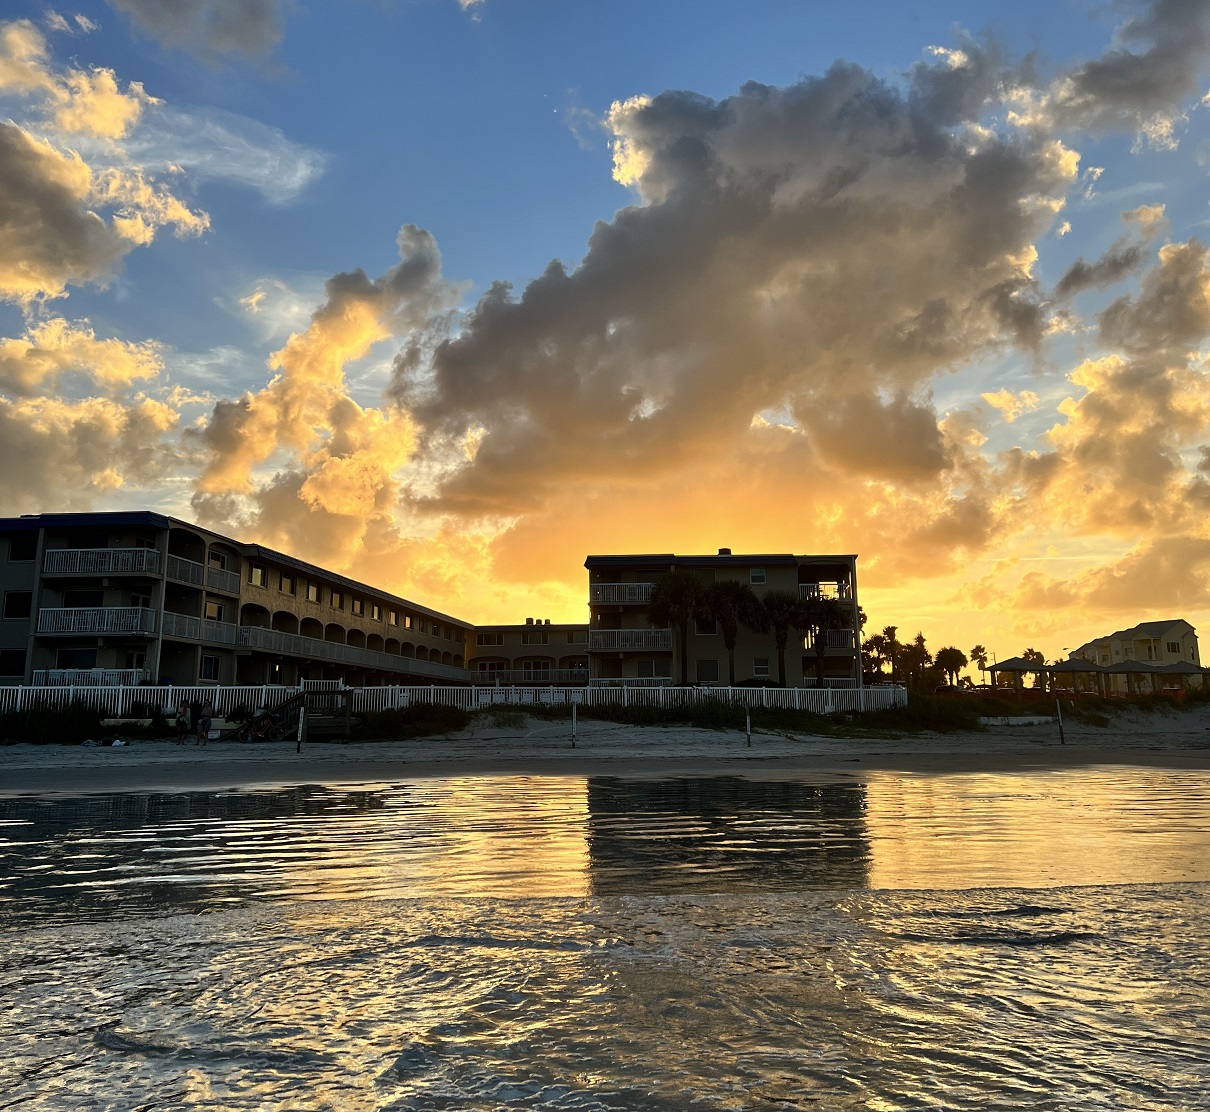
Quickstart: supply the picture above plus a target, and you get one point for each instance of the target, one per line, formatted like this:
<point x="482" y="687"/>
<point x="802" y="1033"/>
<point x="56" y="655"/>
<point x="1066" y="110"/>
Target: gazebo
<point x="1018" y="666"/>
<point x="1182" y="669"/>
<point x="1132" y="668"/>
<point x="1075" y="668"/>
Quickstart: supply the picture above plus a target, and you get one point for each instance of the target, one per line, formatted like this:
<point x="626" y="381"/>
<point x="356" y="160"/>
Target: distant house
<point x="1149" y="647"/>
<point x="536" y="652"/>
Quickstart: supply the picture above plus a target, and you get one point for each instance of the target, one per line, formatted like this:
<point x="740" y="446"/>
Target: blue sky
<point x="423" y="446"/>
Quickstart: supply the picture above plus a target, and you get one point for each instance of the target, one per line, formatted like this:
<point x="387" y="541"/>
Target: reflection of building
<point x="536" y="652"/>
<point x="123" y="597"/>
<point x="724" y="834"/>
<point x="623" y="645"/>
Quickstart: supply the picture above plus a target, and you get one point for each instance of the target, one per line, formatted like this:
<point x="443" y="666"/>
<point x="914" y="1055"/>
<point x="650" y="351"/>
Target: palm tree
<point x="822" y="614"/>
<point x="733" y="604"/>
<point x="891" y="647"/>
<point x="951" y="661"/>
<point x="915" y="658"/>
<point x="874" y="649"/>
<point x="676" y="600"/>
<point x="978" y="657"/>
<point x="784" y="611"/>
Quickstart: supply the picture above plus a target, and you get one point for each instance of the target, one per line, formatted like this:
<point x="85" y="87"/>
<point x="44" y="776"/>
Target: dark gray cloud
<point x="1121" y="260"/>
<point x="209" y="28"/>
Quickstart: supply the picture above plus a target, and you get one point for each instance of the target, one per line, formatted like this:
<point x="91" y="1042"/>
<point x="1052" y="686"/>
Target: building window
<point x="491" y="666"/>
<point x="421" y="626"/>
<point x="213" y="612"/>
<point x="1173" y="647"/>
<point x="141" y="600"/>
<point x="12" y="662"/>
<point x="257" y="576"/>
<point x="209" y="669"/>
<point x="645" y="669"/>
<point x="707" y="671"/>
<point x="760" y="667"/>
<point x="18" y="604"/>
<point x="756" y="576"/>
<point x="535" y="637"/>
<point x="375" y="612"/>
<point x="577" y="637"/>
<point x="136" y="660"/>
<point x="81" y="659"/>
<point x="705" y="629"/>
<point x="287" y="584"/>
<point x="392" y="618"/>
<point x="312" y="592"/>
<point x="357" y="606"/>
<point x="22" y="549"/>
<point x="488" y="640"/>
<point x="407" y="621"/>
<point x="217" y="560"/>
<point x="338" y="601"/>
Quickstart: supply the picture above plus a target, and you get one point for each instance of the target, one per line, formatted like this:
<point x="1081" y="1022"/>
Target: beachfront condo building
<point x="133" y="597"/>
<point x="1169" y="641"/>
<point x="537" y="651"/>
<point x="624" y="647"/>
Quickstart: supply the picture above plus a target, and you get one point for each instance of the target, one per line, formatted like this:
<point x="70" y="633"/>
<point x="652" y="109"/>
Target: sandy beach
<point x="1179" y="739"/>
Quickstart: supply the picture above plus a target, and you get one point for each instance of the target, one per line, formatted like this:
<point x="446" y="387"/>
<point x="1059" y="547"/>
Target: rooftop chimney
<point x="529" y="621"/>
<point x="724" y="552"/>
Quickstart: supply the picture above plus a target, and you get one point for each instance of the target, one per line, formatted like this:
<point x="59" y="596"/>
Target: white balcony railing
<point x="620" y="594"/>
<point x="200" y="629"/>
<point x="836" y="639"/>
<point x="628" y="640"/>
<point x="839" y="591"/>
<point x="631" y="681"/>
<point x="91" y="677"/>
<point x="219" y="579"/>
<point x="96" y="619"/>
<point x="294" y="644"/>
<point x="187" y="571"/>
<point x="101" y="561"/>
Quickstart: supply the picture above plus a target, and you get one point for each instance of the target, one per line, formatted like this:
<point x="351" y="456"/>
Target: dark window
<point x="705" y="629"/>
<point x="1174" y="647"/>
<point x="83" y="598"/>
<point x="489" y="639"/>
<point x="12" y="662"/>
<point x="22" y="547"/>
<point x="18" y="604"/>
<point x="209" y="669"/>
<point x="76" y="658"/>
<point x="707" y="671"/>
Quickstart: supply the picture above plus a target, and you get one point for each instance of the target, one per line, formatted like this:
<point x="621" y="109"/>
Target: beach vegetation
<point x="418" y="720"/>
<point x="784" y="610"/>
<point x="65" y="724"/>
<point x="951" y="661"/>
<point x="733" y="604"/>
<point x="677" y="598"/>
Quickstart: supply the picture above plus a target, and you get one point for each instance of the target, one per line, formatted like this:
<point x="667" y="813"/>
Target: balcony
<point x="506" y="677"/>
<point x="841" y="592"/>
<point x="629" y="640"/>
<point x="200" y="629"/>
<point x="619" y="594"/>
<point x="96" y="619"/>
<point x="185" y="571"/>
<point x="293" y="644"/>
<point x="837" y="639"/>
<point x="101" y="561"/>
<point x="90" y="677"/>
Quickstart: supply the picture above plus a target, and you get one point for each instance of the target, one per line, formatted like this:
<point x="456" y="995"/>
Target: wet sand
<point x="1177" y="740"/>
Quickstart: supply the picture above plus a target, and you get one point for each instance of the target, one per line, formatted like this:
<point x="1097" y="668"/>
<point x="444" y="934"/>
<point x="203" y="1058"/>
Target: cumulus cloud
<point x="51" y="352"/>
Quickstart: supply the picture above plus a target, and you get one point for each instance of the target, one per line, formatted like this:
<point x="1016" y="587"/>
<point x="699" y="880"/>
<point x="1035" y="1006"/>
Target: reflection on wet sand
<point x="100" y="857"/>
<point x="725" y="834"/>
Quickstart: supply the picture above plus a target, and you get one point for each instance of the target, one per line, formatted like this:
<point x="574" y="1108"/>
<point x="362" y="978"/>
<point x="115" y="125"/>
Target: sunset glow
<point x="446" y="296"/>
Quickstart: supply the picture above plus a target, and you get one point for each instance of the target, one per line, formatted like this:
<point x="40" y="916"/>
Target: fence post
<point x="625" y="696"/>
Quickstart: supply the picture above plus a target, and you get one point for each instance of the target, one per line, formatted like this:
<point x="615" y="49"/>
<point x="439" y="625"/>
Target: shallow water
<point x="1028" y="941"/>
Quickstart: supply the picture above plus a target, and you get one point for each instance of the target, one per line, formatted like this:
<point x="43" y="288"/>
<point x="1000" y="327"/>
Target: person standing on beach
<point x="182" y="722"/>
<point x="203" y="725"/>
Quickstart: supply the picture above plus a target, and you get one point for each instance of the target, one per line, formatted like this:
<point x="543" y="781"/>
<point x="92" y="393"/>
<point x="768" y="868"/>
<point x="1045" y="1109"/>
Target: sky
<point x="446" y="295"/>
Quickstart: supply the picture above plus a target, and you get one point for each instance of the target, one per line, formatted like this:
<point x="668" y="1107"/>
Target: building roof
<point x="723" y="559"/>
<point x="147" y="518"/>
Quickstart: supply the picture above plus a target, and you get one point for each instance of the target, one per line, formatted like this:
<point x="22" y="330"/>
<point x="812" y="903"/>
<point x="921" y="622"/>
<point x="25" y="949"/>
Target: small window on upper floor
<point x="257" y="575"/>
<point x="756" y="576"/>
<point x="217" y="560"/>
<point x="312" y="592"/>
<point x="489" y="639"/>
<point x="22" y="548"/>
<point x="375" y="612"/>
<point x="704" y="628"/>
<point x="392" y="618"/>
<point x="338" y="601"/>
<point x="287" y="584"/>
<point x="421" y="626"/>
<point x="358" y="607"/>
<point x="535" y="637"/>
<point x="407" y="621"/>
<point x="577" y="637"/>
<point x="213" y="612"/>
<point x="1173" y="647"/>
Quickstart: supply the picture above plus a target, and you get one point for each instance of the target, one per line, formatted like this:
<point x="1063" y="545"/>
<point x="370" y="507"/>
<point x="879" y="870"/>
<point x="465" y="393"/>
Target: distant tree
<point x="676" y="600"/>
<point x="978" y="657"/>
<point x="872" y="654"/>
<point x="891" y="647"/>
<point x="914" y="660"/>
<point x="819" y="616"/>
<point x="1034" y="656"/>
<point x="951" y="661"/>
<point x="784" y="611"/>
<point x="861" y="619"/>
<point x="733" y="604"/>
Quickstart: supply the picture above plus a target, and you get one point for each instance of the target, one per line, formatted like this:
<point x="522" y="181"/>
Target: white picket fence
<point x="117" y="702"/>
